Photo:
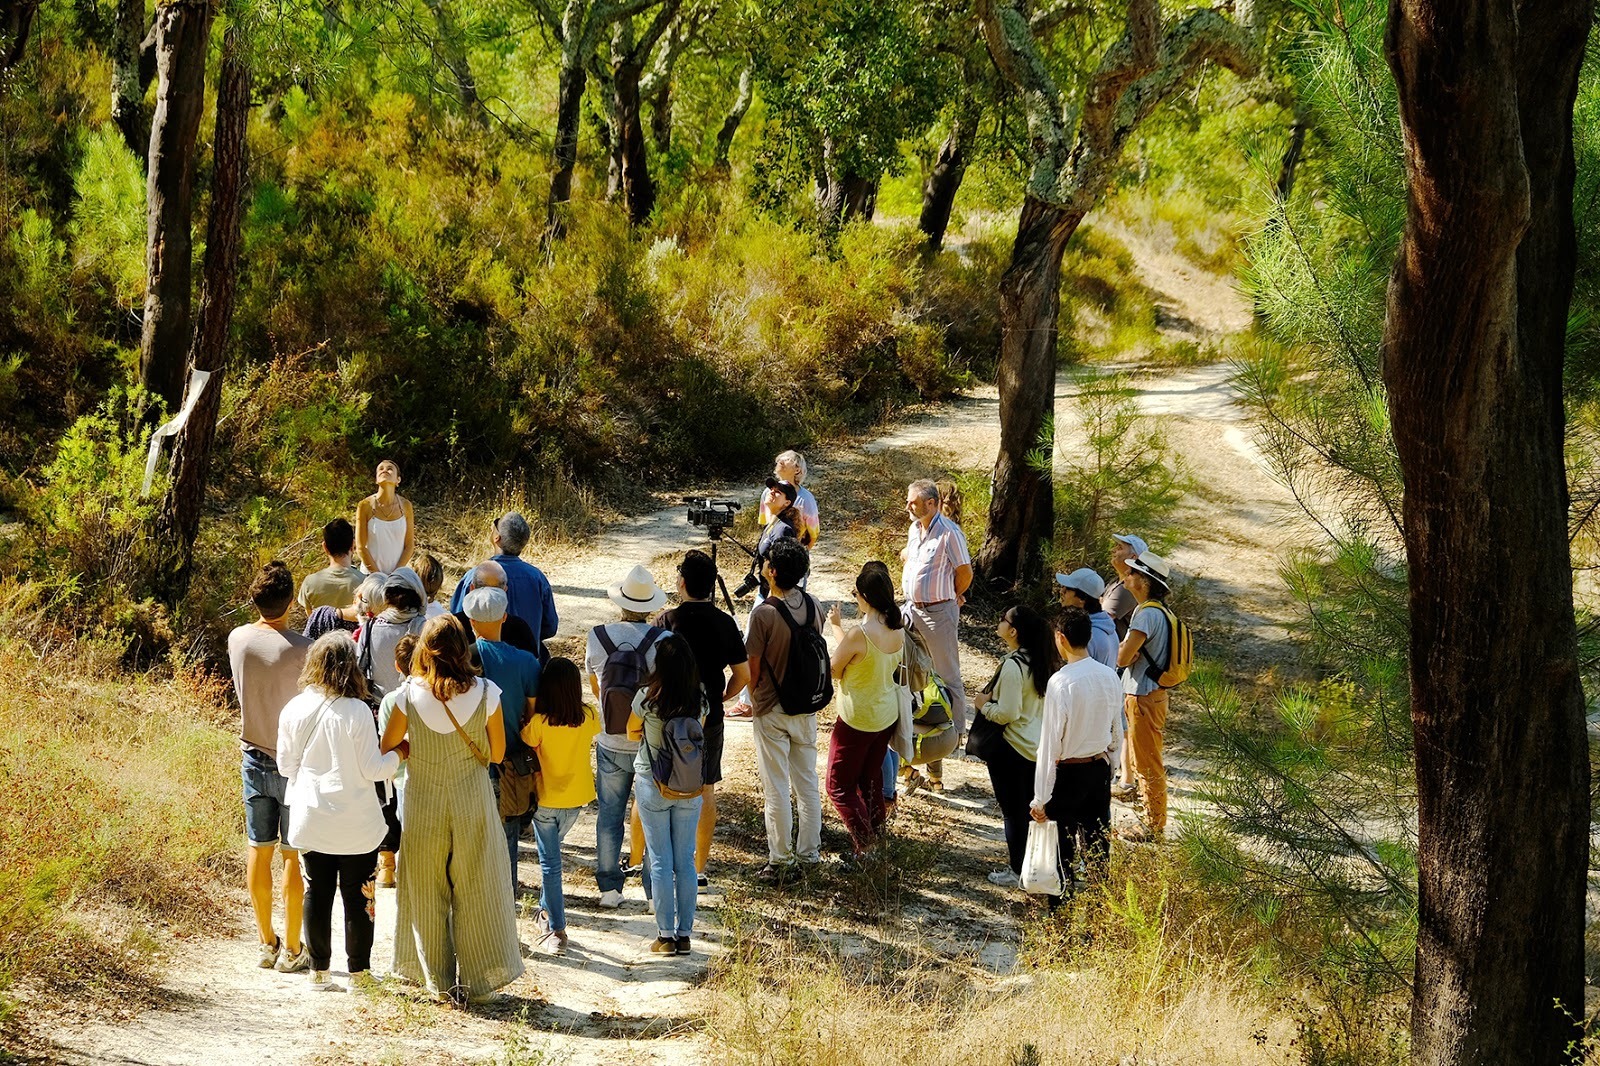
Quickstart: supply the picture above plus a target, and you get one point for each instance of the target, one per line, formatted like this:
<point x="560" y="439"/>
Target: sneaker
<point x="700" y="879"/>
<point x="777" y="874"/>
<point x="611" y="899"/>
<point x="294" y="963"/>
<point x="683" y="945"/>
<point x="364" y="982"/>
<point x="649" y="904"/>
<point x="1139" y="834"/>
<point x="269" y="953"/>
<point x="1124" y="793"/>
<point x="634" y="871"/>
<point x="740" y="710"/>
<point x="1004" y="878"/>
<point x="553" y="943"/>
<point x="321" y="982"/>
<point x="664" y="945"/>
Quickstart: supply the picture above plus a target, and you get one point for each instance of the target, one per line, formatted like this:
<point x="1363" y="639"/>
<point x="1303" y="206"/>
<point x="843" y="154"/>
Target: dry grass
<point x="562" y="514"/>
<point x="119" y="810"/>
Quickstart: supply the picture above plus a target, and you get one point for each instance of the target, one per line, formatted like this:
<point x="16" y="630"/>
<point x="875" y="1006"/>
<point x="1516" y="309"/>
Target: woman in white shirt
<point x="328" y="751"/>
<point x="385" y="529"/>
<point x="1013" y="701"/>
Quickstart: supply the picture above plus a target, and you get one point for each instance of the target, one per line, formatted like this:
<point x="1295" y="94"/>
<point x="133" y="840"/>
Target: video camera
<point x="711" y="515"/>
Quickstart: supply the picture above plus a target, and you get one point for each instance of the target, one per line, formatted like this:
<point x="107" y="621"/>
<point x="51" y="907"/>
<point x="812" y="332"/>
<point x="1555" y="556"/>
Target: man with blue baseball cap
<point x="1118" y="601"/>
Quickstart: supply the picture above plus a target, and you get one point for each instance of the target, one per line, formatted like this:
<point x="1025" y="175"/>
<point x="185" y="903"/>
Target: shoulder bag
<point x="984" y="737"/>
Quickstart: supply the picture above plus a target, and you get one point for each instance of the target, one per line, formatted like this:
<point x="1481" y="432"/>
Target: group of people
<point x="396" y="741"/>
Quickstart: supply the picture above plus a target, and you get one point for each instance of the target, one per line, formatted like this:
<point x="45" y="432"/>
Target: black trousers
<point x="1081" y="803"/>
<point x="1011" y="776"/>
<point x="352" y="877"/>
<point x="389" y="800"/>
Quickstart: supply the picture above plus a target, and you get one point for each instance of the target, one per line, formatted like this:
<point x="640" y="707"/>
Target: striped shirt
<point x="932" y="556"/>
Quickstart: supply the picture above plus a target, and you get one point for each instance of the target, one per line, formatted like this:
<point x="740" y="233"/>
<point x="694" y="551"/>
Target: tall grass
<point x="119" y="807"/>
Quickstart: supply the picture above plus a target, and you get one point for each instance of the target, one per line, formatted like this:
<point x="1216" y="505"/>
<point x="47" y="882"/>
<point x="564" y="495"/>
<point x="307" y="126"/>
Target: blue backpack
<point x="678" y="766"/>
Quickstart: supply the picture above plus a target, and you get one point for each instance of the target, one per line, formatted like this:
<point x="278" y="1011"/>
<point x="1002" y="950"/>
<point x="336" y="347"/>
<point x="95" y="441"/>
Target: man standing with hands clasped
<point x="935" y="576"/>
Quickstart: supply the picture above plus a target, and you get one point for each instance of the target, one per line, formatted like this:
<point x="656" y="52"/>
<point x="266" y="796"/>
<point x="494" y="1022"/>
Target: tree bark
<point x="637" y="187"/>
<point x="1030" y="303"/>
<point x="944" y="180"/>
<point x="127" y="85"/>
<point x="569" y="108"/>
<point x="183" y="31"/>
<point x="16" y="20"/>
<point x="453" y="53"/>
<point x="735" y="116"/>
<point x="1473" y="358"/>
<point x="661" y="116"/>
<point x="179" y="520"/>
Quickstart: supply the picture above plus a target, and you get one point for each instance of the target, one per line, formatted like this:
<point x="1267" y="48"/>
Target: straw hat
<point x="638" y="592"/>
<point x="1152" y="565"/>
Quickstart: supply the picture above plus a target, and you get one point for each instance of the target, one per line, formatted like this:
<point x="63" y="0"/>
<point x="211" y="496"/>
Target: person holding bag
<point x="328" y="752"/>
<point x="668" y="713"/>
<point x="866" y="662"/>
<point x="1080" y="733"/>
<point x="456" y="929"/>
<point x="1005" y="731"/>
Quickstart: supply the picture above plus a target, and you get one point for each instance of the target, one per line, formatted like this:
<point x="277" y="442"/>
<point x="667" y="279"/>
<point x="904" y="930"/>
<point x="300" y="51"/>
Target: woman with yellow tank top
<point x="865" y="663"/>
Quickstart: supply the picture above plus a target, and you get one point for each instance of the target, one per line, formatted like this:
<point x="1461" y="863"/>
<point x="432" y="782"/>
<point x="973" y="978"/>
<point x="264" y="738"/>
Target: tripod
<point x="716" y="534"/>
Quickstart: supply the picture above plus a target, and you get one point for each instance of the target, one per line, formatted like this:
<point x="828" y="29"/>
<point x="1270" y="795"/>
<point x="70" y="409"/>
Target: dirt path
<point x="609" y="1001"/>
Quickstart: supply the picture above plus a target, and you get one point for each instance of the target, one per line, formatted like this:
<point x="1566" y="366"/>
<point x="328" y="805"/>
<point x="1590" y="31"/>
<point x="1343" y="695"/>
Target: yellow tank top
<point x="868" y="700"/>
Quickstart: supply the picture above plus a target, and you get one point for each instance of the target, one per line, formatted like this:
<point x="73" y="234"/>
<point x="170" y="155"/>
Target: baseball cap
<point x="1132" y="540"/>
<point x="783" y="487"/>
<point x="1085" y="581"/>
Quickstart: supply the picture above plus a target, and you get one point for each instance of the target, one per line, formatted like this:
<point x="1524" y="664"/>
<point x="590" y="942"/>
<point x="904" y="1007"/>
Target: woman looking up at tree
<point x="385" y="534"/>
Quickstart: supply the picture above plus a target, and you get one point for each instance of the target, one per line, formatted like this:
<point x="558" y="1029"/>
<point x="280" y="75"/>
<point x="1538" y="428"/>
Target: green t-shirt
<point x="333" y="586"/>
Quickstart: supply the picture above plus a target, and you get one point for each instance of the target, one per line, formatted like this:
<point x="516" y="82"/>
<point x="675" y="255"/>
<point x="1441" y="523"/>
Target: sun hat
<point x="1085" y="581"/>
<point x="1152" y="565"/>
<point x="784" y="487"/>
<point x="487" y="604"/>
<point x="1132" y="540"/>
<point x="638" y="592"/>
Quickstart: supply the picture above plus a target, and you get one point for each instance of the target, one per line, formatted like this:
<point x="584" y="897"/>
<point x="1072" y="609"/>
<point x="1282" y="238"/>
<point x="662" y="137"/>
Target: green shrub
<point x="108" y="223"/>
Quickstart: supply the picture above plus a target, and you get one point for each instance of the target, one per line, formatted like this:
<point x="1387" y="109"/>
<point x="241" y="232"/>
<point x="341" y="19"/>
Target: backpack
<point x="1180" y="651"/>
<point x="678" y="767"/>
<point x="807" y="684"/>
<point x="621" y="677"/>
<point x="935" y="704"/>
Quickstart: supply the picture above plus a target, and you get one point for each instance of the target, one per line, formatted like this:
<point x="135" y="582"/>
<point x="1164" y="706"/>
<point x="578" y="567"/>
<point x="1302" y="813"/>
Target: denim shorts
<point x="266" y="816"/>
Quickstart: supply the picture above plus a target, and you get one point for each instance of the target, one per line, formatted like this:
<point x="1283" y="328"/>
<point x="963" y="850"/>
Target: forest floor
<point x="609" y="1000"/>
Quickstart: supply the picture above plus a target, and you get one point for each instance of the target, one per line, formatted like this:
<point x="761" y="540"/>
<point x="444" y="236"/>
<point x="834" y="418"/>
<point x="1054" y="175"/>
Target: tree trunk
<point x="1022" y="509"/>
<point x="183" y="31"/>
<point x="179" y="521"/>
<point x="453" y="53"/>
<point x="1473" y="358"/>
<point x="127" y="87"/>
<point x="638" y="188"/>
<point x="944" y="180"/>
<point x="16" y="19"/>
<point x="661" y="117"/>
<point x="736" y="113"/>
<point x="568" y="111"/>
<point x="843" y="196"/>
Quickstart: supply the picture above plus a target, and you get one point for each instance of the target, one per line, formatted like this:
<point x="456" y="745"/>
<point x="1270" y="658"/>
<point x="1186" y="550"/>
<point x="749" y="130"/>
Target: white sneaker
<point x="1004" y="878"/>
<point x="288" y="963"/>
<point x="611" y="899"/>
<point x="321" y="982"/>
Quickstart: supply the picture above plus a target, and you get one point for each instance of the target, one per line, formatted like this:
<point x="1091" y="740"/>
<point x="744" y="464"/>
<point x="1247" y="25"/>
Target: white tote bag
<point x="904" y="741"/>
<point x="1041" y="862"/>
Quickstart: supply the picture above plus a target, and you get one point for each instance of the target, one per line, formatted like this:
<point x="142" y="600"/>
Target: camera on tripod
<point x="711" y="515"/>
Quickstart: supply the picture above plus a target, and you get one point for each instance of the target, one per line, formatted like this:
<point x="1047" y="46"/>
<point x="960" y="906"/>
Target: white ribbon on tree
<point x="197" y="384"/>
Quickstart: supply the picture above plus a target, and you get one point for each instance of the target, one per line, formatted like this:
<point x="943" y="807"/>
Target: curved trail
<point x="609" y="1001"/>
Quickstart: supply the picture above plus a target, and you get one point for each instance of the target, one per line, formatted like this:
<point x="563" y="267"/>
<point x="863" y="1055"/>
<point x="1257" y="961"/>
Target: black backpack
<point x="807" y="684"/>
<point x="624" y="673"/>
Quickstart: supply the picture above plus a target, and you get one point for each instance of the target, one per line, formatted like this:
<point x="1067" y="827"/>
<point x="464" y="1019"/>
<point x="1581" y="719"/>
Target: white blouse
<point x="419" y="704"/>
<point x="328" y="750"/>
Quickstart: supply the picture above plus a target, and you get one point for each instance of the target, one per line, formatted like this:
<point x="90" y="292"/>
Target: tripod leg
<point x="723" y="585"/>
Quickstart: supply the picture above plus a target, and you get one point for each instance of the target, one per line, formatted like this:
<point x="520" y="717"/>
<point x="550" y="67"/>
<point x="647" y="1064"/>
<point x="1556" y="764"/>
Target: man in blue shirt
<point x="527" y="590"/>
<point x="516" y="672"/>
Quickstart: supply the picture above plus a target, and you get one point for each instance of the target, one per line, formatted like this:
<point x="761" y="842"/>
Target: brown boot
<point x="385" y="869"/>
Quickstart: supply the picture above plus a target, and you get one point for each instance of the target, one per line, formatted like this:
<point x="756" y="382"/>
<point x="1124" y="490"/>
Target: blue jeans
<point x="613" y="781"/>
<point x="891" y="773"/>
<point x="669" y="829"/>
<point x="266" y="815"/>
<point x="550" y="826"/>
<point x="513" y="828"/>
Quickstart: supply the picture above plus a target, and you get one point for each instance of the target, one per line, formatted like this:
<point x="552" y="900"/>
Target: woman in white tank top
<point x="384" y="530"/>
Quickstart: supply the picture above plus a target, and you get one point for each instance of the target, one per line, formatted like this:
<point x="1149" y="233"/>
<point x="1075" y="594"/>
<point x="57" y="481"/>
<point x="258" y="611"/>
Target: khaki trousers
<point x="1147" y="722"/>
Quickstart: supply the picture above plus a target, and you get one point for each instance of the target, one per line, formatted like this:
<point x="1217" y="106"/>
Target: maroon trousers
<point x="855" y="779"/>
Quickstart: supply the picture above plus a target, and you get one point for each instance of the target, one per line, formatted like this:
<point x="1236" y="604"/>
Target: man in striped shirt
<point x="936" y="571"/>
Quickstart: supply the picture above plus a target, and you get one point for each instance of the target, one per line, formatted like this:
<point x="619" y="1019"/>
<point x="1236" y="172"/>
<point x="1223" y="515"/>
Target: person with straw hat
<point x="1149" y="640"/>
<point x="618" y="657"/>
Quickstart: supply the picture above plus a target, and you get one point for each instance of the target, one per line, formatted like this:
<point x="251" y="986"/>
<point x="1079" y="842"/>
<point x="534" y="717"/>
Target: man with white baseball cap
<point x="1117" y="600"/>
<point x="637" y="595"/>
<point x="1083" y="588"/>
